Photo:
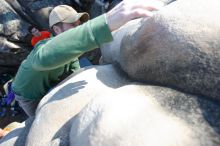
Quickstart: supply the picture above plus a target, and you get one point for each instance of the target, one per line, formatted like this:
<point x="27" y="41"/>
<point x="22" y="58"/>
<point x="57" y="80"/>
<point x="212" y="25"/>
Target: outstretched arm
<point x="71" y="44"/>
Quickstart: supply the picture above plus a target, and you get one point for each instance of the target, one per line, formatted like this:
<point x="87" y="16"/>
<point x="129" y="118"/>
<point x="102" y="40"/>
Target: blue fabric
<point x="84" y="62"/>
<point x="10" y="96"/>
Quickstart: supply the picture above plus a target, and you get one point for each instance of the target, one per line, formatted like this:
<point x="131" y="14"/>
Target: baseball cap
<point x="65" y="13"/>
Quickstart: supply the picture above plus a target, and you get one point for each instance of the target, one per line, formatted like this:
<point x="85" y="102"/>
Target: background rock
<point x="15" y="18"/>
<point x="12" y="31"/>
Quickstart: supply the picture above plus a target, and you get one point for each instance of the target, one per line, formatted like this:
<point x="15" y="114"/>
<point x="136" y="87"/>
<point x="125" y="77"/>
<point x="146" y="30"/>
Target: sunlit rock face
<point x="101" y="106"/>
<point x="111" y="51"/>
<point x="178" y="47"/>
<point x="144" y="115"/>
<point x="59" y="107"/>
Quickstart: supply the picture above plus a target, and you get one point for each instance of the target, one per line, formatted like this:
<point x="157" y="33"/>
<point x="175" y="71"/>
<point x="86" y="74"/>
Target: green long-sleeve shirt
<point x="52" y="58"/>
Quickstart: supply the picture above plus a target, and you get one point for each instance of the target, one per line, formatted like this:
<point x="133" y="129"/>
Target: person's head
<point x="64" y="17"/>
<point x="34" y="31"/>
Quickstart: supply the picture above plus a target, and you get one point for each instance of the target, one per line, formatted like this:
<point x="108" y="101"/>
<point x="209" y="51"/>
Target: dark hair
<point x="59" y="24"/>
<point x="31" y="27"/>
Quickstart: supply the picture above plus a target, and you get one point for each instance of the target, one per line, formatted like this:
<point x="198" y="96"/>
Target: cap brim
<point x="83" y="17"/>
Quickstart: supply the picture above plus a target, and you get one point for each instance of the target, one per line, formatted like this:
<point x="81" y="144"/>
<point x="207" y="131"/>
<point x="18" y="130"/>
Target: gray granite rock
<point x="103" y="105"/>
<point x="178" y="47"/>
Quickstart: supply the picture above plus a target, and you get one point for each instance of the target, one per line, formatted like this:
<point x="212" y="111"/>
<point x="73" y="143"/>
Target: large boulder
<point x="144" y="115"/>
<point x="101" y="106"/>
<point x="65" y="101"/>
<point x="178" y="47"/>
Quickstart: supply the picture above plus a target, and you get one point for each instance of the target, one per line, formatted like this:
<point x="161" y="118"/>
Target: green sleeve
<point x="69" y="45"/>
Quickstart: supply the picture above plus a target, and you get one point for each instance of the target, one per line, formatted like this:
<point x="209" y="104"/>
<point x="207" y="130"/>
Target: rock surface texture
<point x="160" y="87"/>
